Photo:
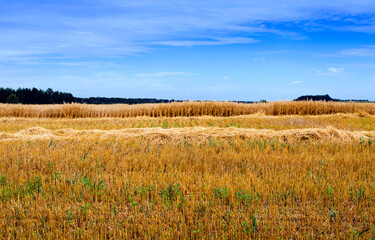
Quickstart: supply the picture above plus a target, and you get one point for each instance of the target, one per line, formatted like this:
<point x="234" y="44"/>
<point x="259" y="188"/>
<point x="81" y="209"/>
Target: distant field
<point x="253" y="176"/>
<point x="185" y="109"/>
<point x="349" y="122"/>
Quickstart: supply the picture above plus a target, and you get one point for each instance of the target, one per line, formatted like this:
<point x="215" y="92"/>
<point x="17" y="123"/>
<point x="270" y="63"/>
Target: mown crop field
<point x="175" y="172"/>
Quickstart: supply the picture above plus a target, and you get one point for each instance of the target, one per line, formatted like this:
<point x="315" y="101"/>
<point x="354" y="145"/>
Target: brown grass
<point x="185" y="109"/>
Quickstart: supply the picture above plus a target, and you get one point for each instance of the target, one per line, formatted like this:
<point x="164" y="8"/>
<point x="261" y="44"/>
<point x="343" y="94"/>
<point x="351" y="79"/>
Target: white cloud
<point x="296" y="82"/>
<point x="163" y="74"/>
<point x="259" y="59"/>
<point x="336" y="70"/>
<point x="225" y="77"/>
<point x="333" y="71"/>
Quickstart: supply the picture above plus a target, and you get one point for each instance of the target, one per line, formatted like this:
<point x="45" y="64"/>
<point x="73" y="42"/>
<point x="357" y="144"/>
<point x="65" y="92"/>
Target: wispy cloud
<point x="367" y="51"/>
<point x="259" y="59"/>
<point x="296" y="82"/>
<point x="211" y="42"/>
<point x="116" y="28"/>
<point x="332" y="71"/>
<point x="336" y="70"/>
<point x="162" y="74"/>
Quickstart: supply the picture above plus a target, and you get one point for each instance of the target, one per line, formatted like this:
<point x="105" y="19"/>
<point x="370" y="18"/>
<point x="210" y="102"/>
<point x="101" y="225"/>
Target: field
<point x="188" y="171"/>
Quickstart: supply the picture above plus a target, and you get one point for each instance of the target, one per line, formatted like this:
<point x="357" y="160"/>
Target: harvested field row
<point x="196" y="133"/>
<point x="351" y="122"/>
<point x="186" y="109"/>
<point x="113" y="188"/>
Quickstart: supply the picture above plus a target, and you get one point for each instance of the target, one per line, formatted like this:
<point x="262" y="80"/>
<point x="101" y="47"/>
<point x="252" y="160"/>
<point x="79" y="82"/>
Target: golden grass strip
<point x="196" y="133"/>
<point x="185" y="109"/>
<point x="345" y="121"/>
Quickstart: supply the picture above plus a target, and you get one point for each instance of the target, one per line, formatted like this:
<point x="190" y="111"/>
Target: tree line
<point x="38" y="96"/>
<point x="326" y="98"/>
<point x="34" y="96"/>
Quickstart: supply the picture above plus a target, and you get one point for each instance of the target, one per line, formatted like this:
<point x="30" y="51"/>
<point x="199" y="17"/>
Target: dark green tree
<point x="12" y="99"/>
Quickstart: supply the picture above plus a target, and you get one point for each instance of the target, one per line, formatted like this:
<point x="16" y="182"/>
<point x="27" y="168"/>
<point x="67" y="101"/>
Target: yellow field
<point x="255" y="176"/>
<point x="186" y="109"/>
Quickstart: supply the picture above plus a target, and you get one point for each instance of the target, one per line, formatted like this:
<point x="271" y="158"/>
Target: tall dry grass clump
<point x="185" y="109"/>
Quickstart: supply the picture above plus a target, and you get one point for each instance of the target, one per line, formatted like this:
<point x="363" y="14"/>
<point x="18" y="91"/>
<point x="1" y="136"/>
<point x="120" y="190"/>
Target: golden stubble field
<point x="220" y="176"/>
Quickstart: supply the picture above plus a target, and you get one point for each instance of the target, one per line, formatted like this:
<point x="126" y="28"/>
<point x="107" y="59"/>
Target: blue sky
<point x="180" y="49"/>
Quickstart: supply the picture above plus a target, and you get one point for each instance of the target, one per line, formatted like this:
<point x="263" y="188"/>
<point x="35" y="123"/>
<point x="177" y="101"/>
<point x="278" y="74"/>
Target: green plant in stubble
<point x="172" y="193"/>
<point x="253" y="226"/>
<point x="93" y="185"/>
<point x="357" y="193"/>
<point x="85" y="208"/>
<point x="33" y="186"/>
<point x="50" y="142"/>
<point x="221" y="193"/>
<point x="6" y="192"/>
<point x="3" y="181"/>
<point x="197" y="231"/>
<point x="69" y="217"/>
<point x="245" y="198"/>
<point x="284" y="195"/>
<point x="212" y="143"/>
<point x="329" y="192"/>
<point x="165" y="125"/>
<point x="147" y="191"/>
<point x="84" y="156"/>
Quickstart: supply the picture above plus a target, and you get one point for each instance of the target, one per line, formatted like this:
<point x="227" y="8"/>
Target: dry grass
<point x="350" y="122"/>
<point x="244" y="177"/>
<point x="120" y="187"/>
<point x="197" y="134"/>
<point x="185" y="109"/>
